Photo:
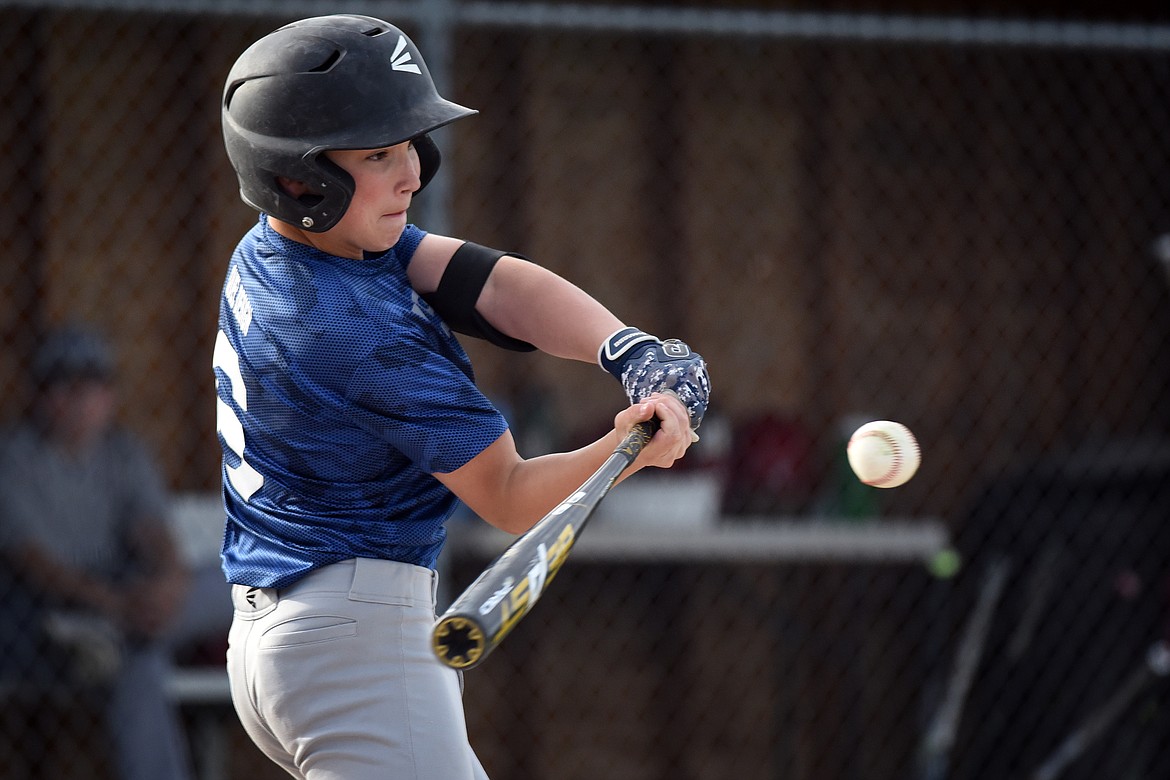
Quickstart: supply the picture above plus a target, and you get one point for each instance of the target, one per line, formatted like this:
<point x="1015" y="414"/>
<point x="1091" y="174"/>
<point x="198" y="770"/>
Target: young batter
<point x="348" y="414"/>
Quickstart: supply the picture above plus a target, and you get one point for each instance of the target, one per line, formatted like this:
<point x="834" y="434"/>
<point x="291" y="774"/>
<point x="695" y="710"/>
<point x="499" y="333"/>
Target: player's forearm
<point x="533" y="304"/>
<point x="535" y="486"/>
<point x="156" y="548"/>
<point x="512" y="493"/>
<point x="60" y="582"/>
<point x="538" y="484"/>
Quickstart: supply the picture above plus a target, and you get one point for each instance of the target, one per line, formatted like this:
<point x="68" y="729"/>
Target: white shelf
<point x="742" y="540"/>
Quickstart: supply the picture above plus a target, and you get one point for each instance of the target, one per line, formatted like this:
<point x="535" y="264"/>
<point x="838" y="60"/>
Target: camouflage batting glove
<point x="645" y="365"/>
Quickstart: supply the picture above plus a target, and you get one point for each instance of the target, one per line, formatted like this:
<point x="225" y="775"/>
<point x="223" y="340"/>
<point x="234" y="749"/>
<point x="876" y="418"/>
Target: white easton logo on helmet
<point x="400" y="60"/>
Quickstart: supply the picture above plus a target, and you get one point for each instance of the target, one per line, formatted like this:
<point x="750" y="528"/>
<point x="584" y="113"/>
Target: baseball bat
<point x="940" y="736"/>
<point x="507" y="589"/>
<point x="1154" y="667"/>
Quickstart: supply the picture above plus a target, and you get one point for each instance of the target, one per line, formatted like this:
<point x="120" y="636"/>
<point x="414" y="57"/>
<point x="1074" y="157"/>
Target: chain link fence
<point x="959" y="224"/>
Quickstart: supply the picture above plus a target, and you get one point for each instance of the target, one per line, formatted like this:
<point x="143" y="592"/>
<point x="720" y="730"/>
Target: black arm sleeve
<point x="459" y="289"/>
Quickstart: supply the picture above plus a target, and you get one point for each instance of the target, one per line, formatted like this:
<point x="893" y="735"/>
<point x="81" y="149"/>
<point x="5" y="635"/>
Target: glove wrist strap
<point x="622" y="345"/>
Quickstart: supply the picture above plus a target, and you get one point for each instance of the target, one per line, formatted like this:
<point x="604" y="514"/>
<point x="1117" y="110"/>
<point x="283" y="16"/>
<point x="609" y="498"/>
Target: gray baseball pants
<point x="333" y="677"/>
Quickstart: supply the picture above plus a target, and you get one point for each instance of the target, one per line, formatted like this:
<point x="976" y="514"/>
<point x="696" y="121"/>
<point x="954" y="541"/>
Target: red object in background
<point x="771" y="469"/>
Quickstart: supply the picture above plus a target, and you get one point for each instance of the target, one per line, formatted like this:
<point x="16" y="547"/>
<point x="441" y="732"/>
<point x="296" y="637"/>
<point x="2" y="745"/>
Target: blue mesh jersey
<point x="340" y="392"/>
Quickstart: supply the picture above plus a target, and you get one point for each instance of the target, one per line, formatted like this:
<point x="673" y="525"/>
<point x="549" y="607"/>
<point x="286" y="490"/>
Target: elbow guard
<point x="459" y="289"/>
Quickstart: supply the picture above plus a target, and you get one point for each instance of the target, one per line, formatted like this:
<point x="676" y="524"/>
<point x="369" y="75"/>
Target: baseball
<point x="883" y="454"/>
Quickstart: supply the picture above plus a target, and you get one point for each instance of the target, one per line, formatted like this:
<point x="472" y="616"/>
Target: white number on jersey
<point x="245" y="479"/>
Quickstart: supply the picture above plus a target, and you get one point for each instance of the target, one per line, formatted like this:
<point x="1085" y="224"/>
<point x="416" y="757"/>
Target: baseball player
<point x="347" y="410"/>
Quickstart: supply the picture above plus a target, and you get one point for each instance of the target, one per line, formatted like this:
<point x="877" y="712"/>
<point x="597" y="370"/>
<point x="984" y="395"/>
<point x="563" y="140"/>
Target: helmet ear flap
<point x="329" y="189"/>
<point x="429" y="159"/>
<point x="325" y="207"/>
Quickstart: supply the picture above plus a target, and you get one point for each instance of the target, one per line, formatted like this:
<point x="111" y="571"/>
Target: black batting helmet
<point x="329" y="82"/>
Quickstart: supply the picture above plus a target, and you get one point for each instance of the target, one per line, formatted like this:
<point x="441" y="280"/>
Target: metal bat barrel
<point x="507" y="589"/>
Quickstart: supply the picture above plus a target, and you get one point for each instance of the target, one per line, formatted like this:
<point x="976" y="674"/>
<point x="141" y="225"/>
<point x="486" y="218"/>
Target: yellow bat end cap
<point x="458" y="642"/>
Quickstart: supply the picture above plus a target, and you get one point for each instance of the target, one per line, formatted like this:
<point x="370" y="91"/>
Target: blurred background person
<point x="96" y="579"/>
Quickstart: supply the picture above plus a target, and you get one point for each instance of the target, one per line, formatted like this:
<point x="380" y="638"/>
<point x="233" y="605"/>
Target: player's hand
<point x="157" y="601"/>
<point x="645" y="365"/>
<point x="673" y="437"/>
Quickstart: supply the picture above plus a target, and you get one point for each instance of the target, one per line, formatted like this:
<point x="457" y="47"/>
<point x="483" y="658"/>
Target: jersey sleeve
<point x="408" y="242"/>
<point x="424" y="404"/>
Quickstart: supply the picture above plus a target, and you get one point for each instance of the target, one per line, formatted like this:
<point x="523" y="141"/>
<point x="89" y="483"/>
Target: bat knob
<point x="458" y="642"/>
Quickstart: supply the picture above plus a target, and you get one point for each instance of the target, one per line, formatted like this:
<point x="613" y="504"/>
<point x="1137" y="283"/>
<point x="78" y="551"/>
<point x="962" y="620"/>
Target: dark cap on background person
<point x="72" y="353"/>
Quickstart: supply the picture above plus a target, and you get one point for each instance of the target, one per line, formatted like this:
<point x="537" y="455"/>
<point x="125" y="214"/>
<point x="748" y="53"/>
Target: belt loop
<point x="392" y="582"/>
